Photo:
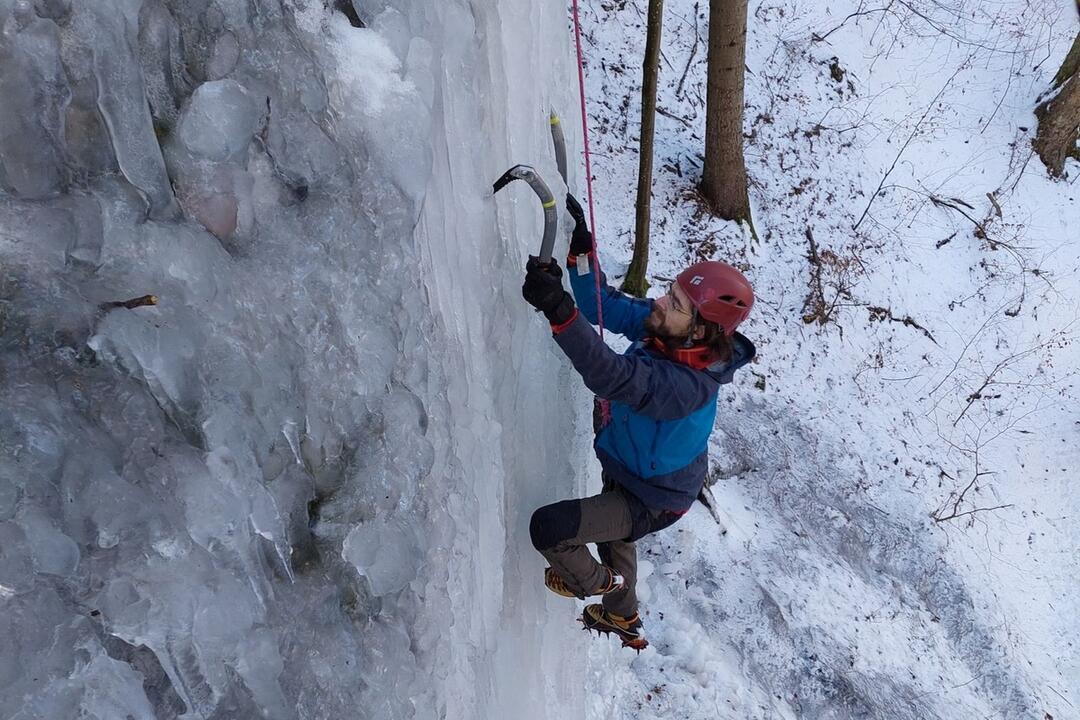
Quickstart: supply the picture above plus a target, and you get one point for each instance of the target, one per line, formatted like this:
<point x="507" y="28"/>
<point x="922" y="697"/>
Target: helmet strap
<point x="690" y="342"/>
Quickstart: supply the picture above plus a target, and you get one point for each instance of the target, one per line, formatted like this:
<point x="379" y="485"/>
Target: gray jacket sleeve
<point x="658" y="388"/>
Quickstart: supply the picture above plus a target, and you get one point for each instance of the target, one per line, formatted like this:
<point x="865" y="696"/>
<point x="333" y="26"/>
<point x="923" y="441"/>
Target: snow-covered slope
<point x="914" y="358"/>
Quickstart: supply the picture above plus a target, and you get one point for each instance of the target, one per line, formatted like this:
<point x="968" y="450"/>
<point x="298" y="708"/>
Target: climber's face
<point x="672" y="315"/>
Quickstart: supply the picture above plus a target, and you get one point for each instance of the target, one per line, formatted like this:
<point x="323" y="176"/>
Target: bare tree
<point x="635" y="282"/>
<point x="1059" y="116"/>
<point x="724" y="179"/>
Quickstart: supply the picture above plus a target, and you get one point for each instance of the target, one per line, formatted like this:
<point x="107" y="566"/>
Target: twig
<point x="1004" y="363"/>
<point x="977" y="395"/>
<point x="954" y="687"/>
<point x="911" y="137"/>
<point x="960" y="497"/>
<point x="819" y="38"/>
<point x="963" y="352"/>
<point x="693" y="51"/>
<point x="1008" y="86"/>
<point x="972" y="512"/>
<point x="944" y="31"/>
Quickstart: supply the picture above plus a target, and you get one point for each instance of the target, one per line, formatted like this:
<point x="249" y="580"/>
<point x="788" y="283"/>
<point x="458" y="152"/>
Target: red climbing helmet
<point x="720" y="293"/>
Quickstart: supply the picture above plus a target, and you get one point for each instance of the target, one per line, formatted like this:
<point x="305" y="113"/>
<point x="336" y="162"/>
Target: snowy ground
<point x="916" y="359"/>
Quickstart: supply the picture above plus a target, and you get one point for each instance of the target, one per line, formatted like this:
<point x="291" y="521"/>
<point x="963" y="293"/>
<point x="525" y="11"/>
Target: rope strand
<point x="601" y="405"/>
<point x="593" y="258"/>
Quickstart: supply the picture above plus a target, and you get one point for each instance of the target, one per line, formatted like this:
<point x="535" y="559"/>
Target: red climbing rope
<point x="593" y="259"/>
<point x="601" y="404"/>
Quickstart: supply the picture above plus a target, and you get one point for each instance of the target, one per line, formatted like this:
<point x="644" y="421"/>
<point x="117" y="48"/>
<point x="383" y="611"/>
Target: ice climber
<point x="662" y="392"/>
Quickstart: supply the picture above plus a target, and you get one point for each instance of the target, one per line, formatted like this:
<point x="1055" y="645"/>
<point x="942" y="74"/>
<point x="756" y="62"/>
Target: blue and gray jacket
<point x="662" y="411"/>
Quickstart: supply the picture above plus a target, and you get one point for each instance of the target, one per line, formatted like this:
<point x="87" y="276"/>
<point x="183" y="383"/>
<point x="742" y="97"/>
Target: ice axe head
<point x="518" y="172"/>
<point x="547" y="202"/>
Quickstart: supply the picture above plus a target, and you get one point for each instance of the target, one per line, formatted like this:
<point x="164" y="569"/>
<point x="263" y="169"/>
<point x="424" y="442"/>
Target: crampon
<point x="629" y="630"/>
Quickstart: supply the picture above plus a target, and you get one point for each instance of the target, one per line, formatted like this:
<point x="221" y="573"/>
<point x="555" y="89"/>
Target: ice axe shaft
<point x="547" y="201"/>
<point x="559" y="141"/>
<point x="706" y="498"/>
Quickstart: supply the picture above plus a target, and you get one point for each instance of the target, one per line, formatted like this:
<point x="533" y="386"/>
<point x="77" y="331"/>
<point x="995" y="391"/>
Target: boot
<point x="629" y="629"/>
<point x="556" y="584"/>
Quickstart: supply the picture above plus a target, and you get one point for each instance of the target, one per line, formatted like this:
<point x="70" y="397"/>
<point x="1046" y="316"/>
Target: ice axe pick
<point x="547" y="202"/>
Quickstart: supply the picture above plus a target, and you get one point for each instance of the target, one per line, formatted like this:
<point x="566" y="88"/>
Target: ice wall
<point x="297" y="486"/>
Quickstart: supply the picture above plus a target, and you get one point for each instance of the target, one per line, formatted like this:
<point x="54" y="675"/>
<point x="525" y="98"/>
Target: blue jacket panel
<point x="662" y="412"/>
<point x="623" y="314"/>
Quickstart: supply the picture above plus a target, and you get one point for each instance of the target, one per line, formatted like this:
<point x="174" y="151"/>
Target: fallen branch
<point x="673" y="116"/>
<point x="942" y="243"/>
<point x="814" y="306"/>
<point x="880" y="313"/>
<point x="954" y="203"/>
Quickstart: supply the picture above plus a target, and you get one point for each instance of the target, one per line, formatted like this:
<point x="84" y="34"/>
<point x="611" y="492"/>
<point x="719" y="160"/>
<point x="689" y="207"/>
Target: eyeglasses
<point x="673" y="301"/>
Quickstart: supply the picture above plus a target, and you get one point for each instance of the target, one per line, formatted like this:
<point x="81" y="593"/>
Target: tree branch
<point x="907" y="142"/>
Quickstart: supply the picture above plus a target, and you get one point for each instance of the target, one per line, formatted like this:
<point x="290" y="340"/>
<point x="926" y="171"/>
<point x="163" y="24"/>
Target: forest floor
<point x="896" y="466"/>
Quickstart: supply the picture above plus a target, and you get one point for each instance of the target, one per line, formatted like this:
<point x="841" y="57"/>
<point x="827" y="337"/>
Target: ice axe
<point x="705" y="497"/>
<point x="559" y="141"/>
<point x="547" y="201"/>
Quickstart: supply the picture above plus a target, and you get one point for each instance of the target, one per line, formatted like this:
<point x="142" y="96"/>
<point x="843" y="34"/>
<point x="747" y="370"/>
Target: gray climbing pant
<point x="613" y="520"/>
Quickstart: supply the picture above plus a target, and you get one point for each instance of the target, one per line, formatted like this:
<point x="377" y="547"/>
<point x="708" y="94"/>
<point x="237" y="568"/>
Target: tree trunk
<point x="635" y="282"/>
<point x="1059" y="117"/>
<point x="723" y="181"/>
<point x="1071" y="64"/>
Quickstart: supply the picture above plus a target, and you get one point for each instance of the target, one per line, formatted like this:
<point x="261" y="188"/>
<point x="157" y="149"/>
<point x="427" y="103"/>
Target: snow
<point x="833" y="591"/>
<point x="299" y="485"/>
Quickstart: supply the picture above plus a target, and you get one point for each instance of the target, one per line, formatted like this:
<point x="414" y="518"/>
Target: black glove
<point x="581" y="242"/>
<point x="543" y="289"/>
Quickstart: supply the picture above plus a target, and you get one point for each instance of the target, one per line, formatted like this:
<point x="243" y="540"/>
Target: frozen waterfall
<point x="297" y="486"/>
